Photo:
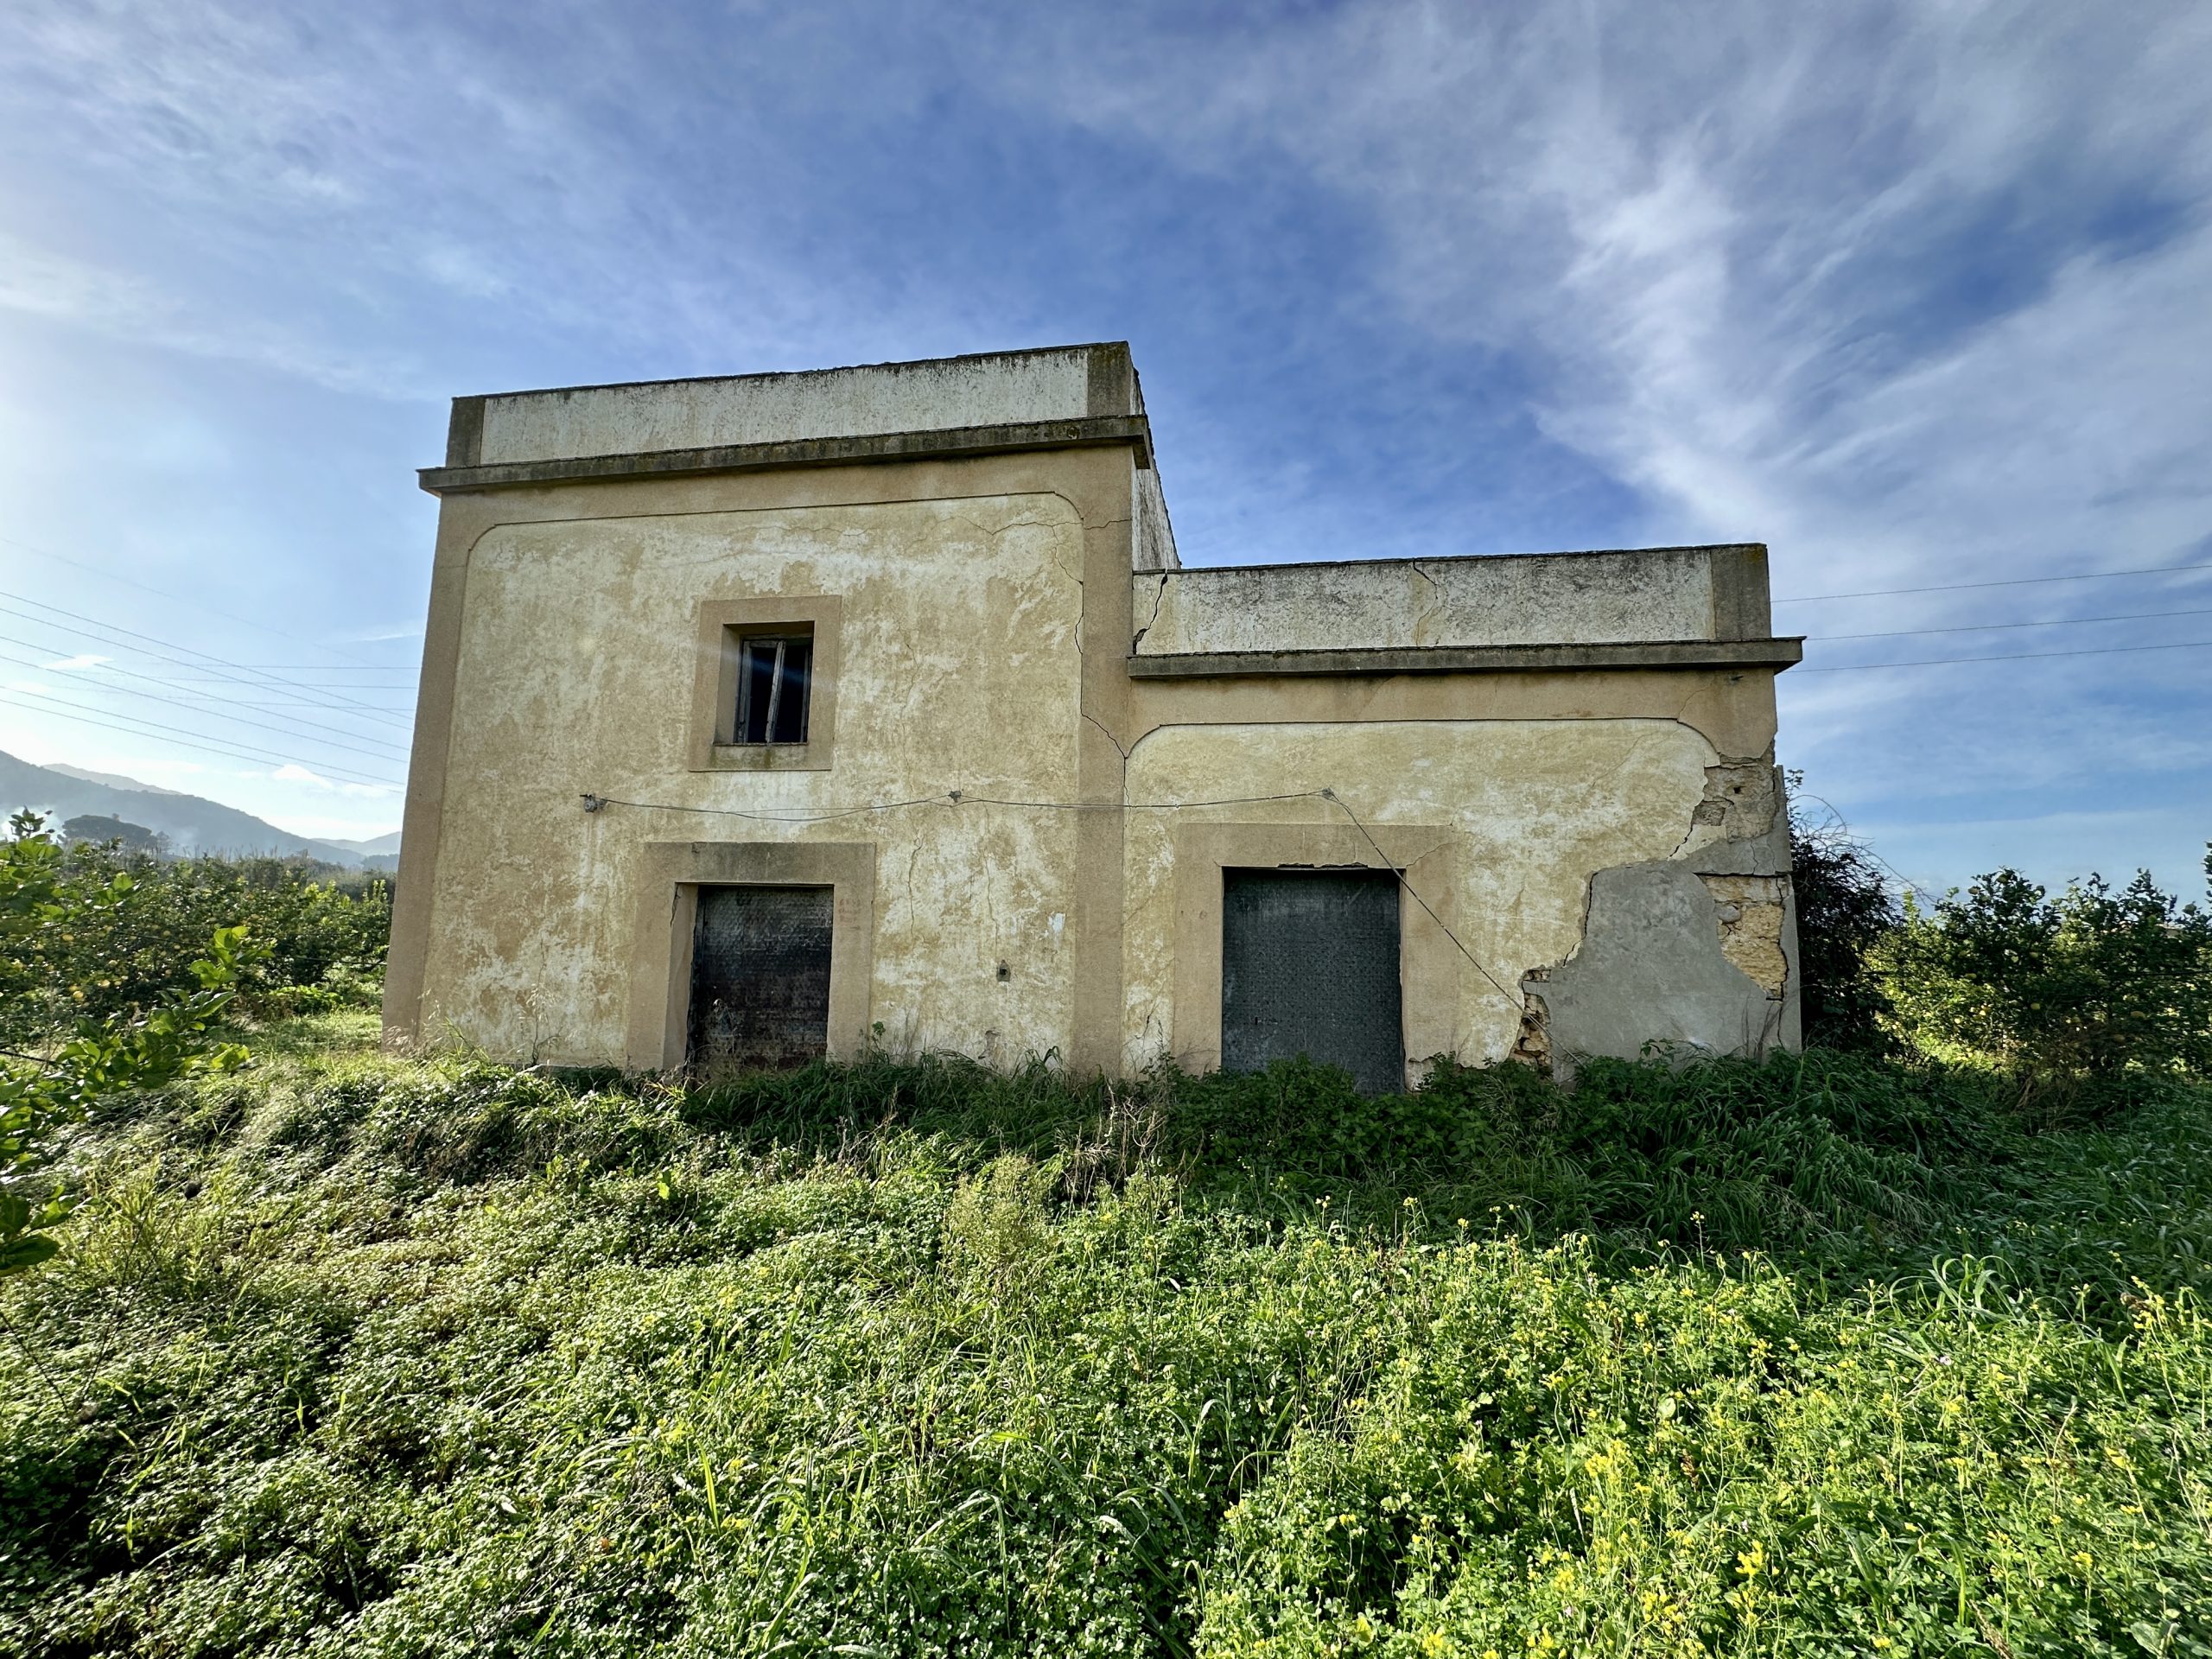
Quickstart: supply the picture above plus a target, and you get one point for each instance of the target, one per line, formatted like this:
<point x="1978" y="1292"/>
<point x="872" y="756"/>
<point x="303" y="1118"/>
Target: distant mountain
<point x="113" y="779"/>
<point x="192" y="824"/>
<point x="381" y="845"/>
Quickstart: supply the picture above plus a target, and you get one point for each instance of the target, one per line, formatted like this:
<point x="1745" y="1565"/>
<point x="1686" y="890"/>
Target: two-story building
<point x="775" y="716"/>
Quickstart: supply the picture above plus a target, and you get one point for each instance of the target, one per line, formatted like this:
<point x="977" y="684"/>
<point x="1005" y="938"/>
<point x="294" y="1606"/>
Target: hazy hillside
<point x="192" y="823"/>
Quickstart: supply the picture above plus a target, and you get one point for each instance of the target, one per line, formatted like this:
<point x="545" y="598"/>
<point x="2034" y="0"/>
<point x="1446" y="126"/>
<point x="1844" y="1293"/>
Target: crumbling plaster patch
<point x="1650" y="971"/>
<point x="1749" y="908"/>
<point x="1695" y="951"/>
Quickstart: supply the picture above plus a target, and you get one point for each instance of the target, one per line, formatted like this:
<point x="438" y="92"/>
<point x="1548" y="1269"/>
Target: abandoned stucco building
<point x="783" y="714"/>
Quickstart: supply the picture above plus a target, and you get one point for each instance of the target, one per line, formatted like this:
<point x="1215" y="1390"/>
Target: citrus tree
<point x="40" y="1093"/>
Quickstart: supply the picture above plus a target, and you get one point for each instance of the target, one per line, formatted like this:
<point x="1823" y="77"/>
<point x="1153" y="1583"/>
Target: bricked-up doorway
<point x="1309" y="965"/>
<point x="759" y="977"/>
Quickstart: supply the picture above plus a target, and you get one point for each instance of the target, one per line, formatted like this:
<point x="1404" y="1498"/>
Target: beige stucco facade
<point x="1038" y="740"/>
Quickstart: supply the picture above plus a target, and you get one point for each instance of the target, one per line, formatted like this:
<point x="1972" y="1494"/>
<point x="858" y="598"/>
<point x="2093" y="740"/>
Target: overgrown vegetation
<point x="2089" y="986"/>
<point x="324" y="931"/>
<point x="361" y="1355"/>
<point x="1859" y="1352"/>
<point x="2061" y="996"/>
<point x="1843" y="909"/>
<point x="41" y="1094"/>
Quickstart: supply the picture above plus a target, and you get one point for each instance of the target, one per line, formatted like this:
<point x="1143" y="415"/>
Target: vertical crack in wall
<point x="1422" y="634"/>
<point x="1159" y="594"/>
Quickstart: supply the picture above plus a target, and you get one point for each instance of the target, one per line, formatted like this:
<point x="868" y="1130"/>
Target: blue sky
<point x="1917" y="294"/>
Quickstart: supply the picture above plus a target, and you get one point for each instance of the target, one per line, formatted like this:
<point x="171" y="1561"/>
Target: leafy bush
<point x="1843" y="909"/>
<point x="40" y="1094"/>
<point x="325" y="945"/>
<point x="2082" y="988"/>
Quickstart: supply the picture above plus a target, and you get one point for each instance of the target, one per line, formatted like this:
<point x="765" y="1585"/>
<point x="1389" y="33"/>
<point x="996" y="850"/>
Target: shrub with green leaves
<point x="41" y="1094"/>
<point x="324" y="944"/>
<point x="1844" y="910"/>
<point x="2087" y="986"/>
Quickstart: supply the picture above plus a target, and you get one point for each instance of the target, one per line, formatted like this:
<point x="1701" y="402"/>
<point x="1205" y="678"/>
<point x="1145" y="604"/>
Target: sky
<point x="1915" y="293"/>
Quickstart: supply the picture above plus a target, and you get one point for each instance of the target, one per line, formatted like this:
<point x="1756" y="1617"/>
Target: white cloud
<point x="87" y="660"/>
<point x="293" y="772"/>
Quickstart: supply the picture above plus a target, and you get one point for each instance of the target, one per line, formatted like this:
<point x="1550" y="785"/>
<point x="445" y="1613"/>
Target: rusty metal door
<point x="1309" y="965"/>
<point x="759" y="978"/>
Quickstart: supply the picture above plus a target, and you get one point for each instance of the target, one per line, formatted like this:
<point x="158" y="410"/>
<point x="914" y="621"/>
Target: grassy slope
<point x="366" y="1356"/>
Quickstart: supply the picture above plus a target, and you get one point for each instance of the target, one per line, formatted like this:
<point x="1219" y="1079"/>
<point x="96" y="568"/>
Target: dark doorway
<point x="759" y="978"/>
<point x="1309" y="965"/>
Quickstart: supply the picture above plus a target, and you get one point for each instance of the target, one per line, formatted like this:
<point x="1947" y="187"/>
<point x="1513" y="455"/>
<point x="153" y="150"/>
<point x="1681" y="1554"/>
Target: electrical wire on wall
<point x="955" y="799"/>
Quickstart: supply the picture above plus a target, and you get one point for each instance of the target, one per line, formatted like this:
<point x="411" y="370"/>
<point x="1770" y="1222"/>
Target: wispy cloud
<point x="87" y="659"/>
<point x="1912" y="293"/>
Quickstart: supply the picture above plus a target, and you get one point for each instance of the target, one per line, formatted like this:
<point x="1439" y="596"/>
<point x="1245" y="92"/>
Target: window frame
<point x="744" y="640"/>
<point x="721" y="627"/>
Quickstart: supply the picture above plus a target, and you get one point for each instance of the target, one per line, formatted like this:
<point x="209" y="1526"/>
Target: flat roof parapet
<point x="1676" y="606"/>
<point x="1055" y="385"/>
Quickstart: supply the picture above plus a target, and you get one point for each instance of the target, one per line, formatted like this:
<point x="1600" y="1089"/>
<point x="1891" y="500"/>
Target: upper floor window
<point x="775" y="682"/>
<point x="764" y="687"/>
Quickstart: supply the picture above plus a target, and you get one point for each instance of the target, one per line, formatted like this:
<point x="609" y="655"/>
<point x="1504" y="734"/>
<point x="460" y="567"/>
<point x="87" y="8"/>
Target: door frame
<point x="669" y="881"/>
<point x="1426" y="858"/>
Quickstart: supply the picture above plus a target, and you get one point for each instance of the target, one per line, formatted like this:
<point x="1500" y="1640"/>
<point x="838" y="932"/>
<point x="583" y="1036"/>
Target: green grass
<point x="360" y="1356"/>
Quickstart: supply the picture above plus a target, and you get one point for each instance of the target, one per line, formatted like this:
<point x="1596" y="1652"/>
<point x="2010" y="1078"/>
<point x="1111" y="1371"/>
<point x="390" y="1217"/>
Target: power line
<point x="265" y="682"/>
<point x="163" y="593"/>
<point x="335" y="668"/>
<point x="1988" y="628"/>
<point x="99" y="632"/>
<point x="152" y="726"/>
<point x="2012" y="582"/>
<point x="262" y="683"/>
<point x="2005" y="657"/>
<point x="383" y="751"/>
<point x="145" y="729"/>
<point x="154" y="679"/>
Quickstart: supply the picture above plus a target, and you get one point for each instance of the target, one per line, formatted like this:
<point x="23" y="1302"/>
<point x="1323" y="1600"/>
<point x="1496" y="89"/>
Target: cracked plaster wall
<point x="1536" y="809"/>
<point x="575" y="673"/>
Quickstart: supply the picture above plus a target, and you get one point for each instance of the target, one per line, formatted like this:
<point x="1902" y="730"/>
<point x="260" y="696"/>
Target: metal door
<point x="1309" y="965"/>
<point x="759" y="977"/>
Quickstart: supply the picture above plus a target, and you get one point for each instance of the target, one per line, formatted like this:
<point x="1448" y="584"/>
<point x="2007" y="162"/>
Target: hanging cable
<point x="1391" y="865"/>
<point x="167" y="736"/>
<point x="594" y="802"/>
<point x="203" y="659"/>
<point x="2009" y="582"/>
<point x="2002" y="656"/>
<point x="380" y="749"/>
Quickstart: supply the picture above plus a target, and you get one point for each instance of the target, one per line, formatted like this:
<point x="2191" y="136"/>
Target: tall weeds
<point x="359" y="1356"/>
